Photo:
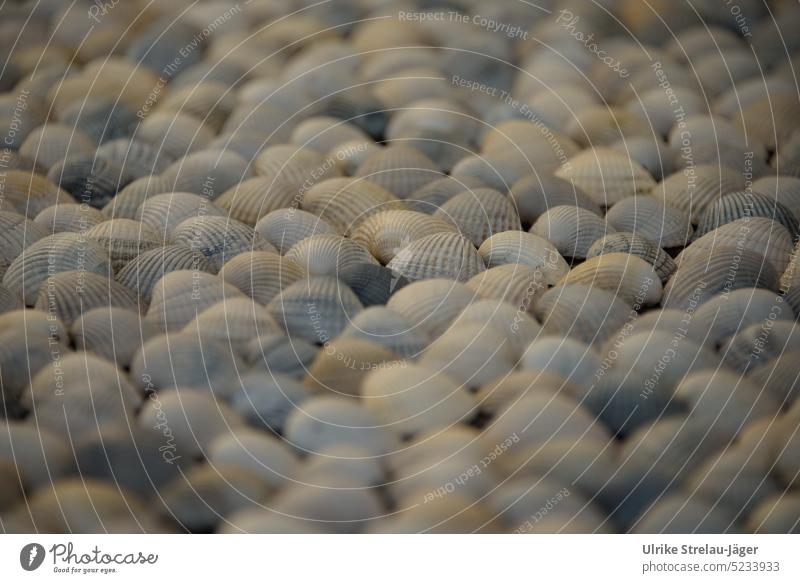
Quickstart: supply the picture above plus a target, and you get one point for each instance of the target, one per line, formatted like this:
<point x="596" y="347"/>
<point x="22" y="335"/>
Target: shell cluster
<point x="360" y="266"/>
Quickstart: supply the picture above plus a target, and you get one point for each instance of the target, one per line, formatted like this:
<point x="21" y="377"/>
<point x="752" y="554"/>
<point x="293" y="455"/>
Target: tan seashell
<point x="746" y="205"/>
<point x="784" y="189"/>
<point x="125" y="205"/>
<point x="52" y="142"/>
<point x="68" y="218"/>
<point x="344" y="362"/>
<point x="124" y="240"/>
<point x="176" y="134"/>
<point x="772" y="119"/>
<point x="655" y="109"/>
<point x="601" y="125"/>
<point x="164" y="212"/>
<point x="606" y="175"/>
<point x="113" y="333"/>
<point x="381" y="325"/>
<point x="518" y="247"/>
<point x="433" y="195"/>
<point x="142" y="273"/>
<point x="284" y="228"/>
<point x="265" y="399"/>
<point x="696" y="187"/>
<point x="442" y="255"/>
<point x="386" y="233"/>
<point x="208" y="172"/>
<point x="479" y="214"/>
<point x="261" y="275"/>
<point x="503" y="167"/>
<point x="255" y="451"/>
<point x="251" y="199"/>
<point x="37" y="453"/>
<point x="29" y="194"/>
<point x="208" y="100"/>
<point x="775" y="515"/>
<point x="779" y="376"/>
<point x="16" y="234"/>
<point x="295" y="166"/>
<point x="324" y="133"/>
<point x="534" y="195"/>
<point x="514" y="283"/>
<point x="652" y="219"/>
<point x="328" y="254"/>
<point x="502" y="393"/>
<point x="431" y="305"/>
<point x="517" y="132"/>
<point x="572" y="230"/>
<point x="9" y="301"/>
<point x="350" y="155"/>
<point x="232" y="321"/>
<point x="628" y="276"/>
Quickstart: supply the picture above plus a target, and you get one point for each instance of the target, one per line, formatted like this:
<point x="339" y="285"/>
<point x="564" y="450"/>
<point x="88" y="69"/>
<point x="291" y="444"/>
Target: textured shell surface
<point x="784" y="189"/>
<point x="124" y="240"/>
<point x="68" y="218"/>
<point x="52" y="142"/>
<point x="16" y="234"/>
<point x="114" y="333"/>
<point x="386" y="233"/>
<point x="602" y="125"/>
<point x="125" y="205"/>
<point x="284" y="228"/>
<point x="163" y="212"/>
<point x="441" y="255"/>
<point x="233" y="321"/>
<point x="478" y="214"/>
<point x="261" y="275"/>
<point x="29" y="193"/>
<point x="429" y="198"/>
<point x="249" y="200"/>
<point x="208" y="172"/>
<point x="652" y="219"/>
<point x="572" y="230"/>
<point x="142" y="273"/>
<point x="740" y="205"/>
<point x="328" y="254"/>
<point x="137" y="158"/>
<point x="695" y="188"/>
<point x="518" y="247"/>
<point x="636" y="245"/>
<point x="340" y="367"/>
<point x="371" y="282"/>
<point x="431" y="305"/>
<point x="759" y="343"/>
<point x="628" y="276"/>
<point x="324" y="133"/>
<point x="514" y="283"/>
<point x="175" y="134"/>
<point x="534" y="195"/>
<point x="89" y="178"/>
<point x="298" y="167"/>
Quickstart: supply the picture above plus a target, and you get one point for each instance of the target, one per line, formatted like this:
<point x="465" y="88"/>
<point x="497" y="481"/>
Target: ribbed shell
<point x="371" y="282"/>
<point x="400" y="170"/>
<point x="68" y="218"/>
<point x="164" y="212"/>
<point x="534" y="195"/>
<point x="442" y="255"/>
<point x="208" y="173"/>
<point x="52" y="142"/>
<point x="9" y="301"/>
<point x="138" y="159"/>
<point x="431" y="305"/>
<point x="696" y="187"/>
<point x="385" y="234"/>
<point x="738" y="205"/>
<point x="518" y="247"/>
<point x="124" y="240"/>
<point x="650" y="218"/>
<point x="261" y="275"/>
<point x="345" y="202"/>
<point x="678" y="514"/>
<point x="219" y="239"/>
<point x="209" y="100"/>
<point x="572" y="230"/>
<point x="323" y="133"/>
<point x="253" y="198"/>
<point x="631" y="278"/>
<point x="342" y="365"/>
<point x="29" y="193"/>
<point x="37" y="453"/>
<point x="113" y="333"/>
<point x="514" y="283"/>
<point x="388" y="328"/>
<point x="636" y="245"/>
<point x="433" y="195"/>
<point x="127" y="202"/>
<point x="759" y="343"/>
<point x="517" y="328"/>
<point x="602" y="125"/>
<point x="479" y="214"/>
<point x="49" y="256"/>
<point x="142" y="273"/>
<point x="16" y="234"/>
<point x="294" y="166"/>
<point x="606" y="176"/>
<point x="176" y="134"/>
<point x="327" y="254"/>
<point x="279" y="354"/>
<point x="284" y="228"/>
<point x="784" y="189"/>
<point x="776" y="515"/>
<point x="314" y="309"/>
<point x="232" y="321"/>
<point x="503" y="167"/>
<point x="90" y="179"/>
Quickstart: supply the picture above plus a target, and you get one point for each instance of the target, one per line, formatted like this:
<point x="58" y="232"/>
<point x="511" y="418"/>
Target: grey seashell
<point x="89" y="391"/>
<point x="280" y="354"/>
<point x="534" y="195"/>
<point x="9" y="301"/>
<point x="139" y="159"/>
<point x="362" y="107"/>
<point x="572" y="230"/>
<point x="654" y="107"/>
<point x="718" y="133"/>
<point x="90" y="179"/>
<point x="113" y="333"/>
<point x="697" y="187"/>
<point x="776" y="515"/>
<point x="443" y="255"/>
<point x="52" y="142"/>
<point x="429" y="198"/>
<point x="68" y="218"/>
<point x="738" y="205"/>
<point x="283" y="228"/>
<point x="636" y="245"/>
<point x="27" y="119"/>
<point x="21" y="362"/>
<point x="518" y="133"/>
<point x="413" y="481"/>
<point x="784" y="189"/>
<point x="180" y="295"/>
<point x="602" y="125"/>
<point x="386" y="233"/>
<point x="257" y="452"/>
<point x="458" y="442"/>
<point x="343" y="363"/>
<point x="249" y="200"/>
<point x="431" y="305"/>
<point x="573" y="360"/>
<point x="323" y="133"/>
<point x="479" y="214"/>
<point x="351" y="155"/>
<point x="52" y="255"/>
<point x="373" y="284"/>
<point x="759" y="343"/>
<point x="127" y="202"/>
<point x="245" y="142"/>
<point x="454" y="513"/>
<point x="209" y="100"/>
<point x="606" y="175"/>
<point x="207" y="172"/>
<point x="298" y="167"/>
<point x="342" y="466"/>
<point x="779" y="376"/>
<point x="517" y="328"/>
<point x="518" y="247"/>
<point x="652" y="219"/>
<point x="384" y="326"/>
<point x="164" y="212"/>
<point x="13" y="160"/>
<point x="174" y="134"/>
<point x="698" y="279"/>
<point x="261" y="275"/>
<point x="69" y="294"/>
<point x="652" y="154"/>
<point x="328" y="254"/>
<point x="157" y="51"/>
<point x="29" y="193"/>
<point x="124" y="240"/>
<point x="675" y="514"/>
<point x="760" y="119"/>
<point x="314" y="309"/>
<point x="102" y="119"/>
<point x="37" y="453"/>
<point x="516" y="284"/>
<point x="501" y="168"/>
<point x="143" y="272"/>
<point x="629" y="277"/>
<point x="266" y="399"/>
<point x="16" y="234"/>
<point x="233" y="321"/>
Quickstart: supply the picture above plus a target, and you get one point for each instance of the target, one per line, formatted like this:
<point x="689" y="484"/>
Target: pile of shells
<point x="273" y="267"/>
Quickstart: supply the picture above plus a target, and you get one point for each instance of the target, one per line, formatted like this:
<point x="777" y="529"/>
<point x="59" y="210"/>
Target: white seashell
<point x="266" y="399"/>
<point x="779" y="376"/>
<point x="744" y="205"/>
<point x="142" y="273"/>
<point x="384" y="326"/>
<point x="284" y="228"/>
<point x="520" y="248"/>
<point x="298" y="167"/>
<point x="328" y="254"/>
<point x="176" y="134"/>
<point x="759" y="343"/>
<point x="517" y="328"/>
<point x="535" y="194"/>
<point x="602" y="125"/>
<point x="442" y="255"/>
<point x="233" y="321"/>
<point x="343" y="363"/>
<point x="116" y="334"/>
<point x="260" y="275"/>
<point x="572" y="230"/>
<point x="650" y="218"/>
<point x="433" y="195"/>
<point x="628" y="276"/>
<point x="325" y="133"/>
<point x="16" y="234"/>
<point x="514" y="283"/>
<point x="478" y="214"/>
<point x="342" y="465"/>
<point x="68" y="218"/>
<point x="386" y="233"/>
<point x="567" y="357"/>
<point x="52" y="142"/>
<point x="636" y="245"/>
<point x="331" y="510"/>
<point x="164" y="212"/>
<point x="431" y="305"/>
<point x="696" y="187"/>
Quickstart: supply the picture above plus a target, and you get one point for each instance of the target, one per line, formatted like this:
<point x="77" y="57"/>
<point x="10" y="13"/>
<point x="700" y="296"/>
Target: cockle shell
<point x="209" y="100"/>
<point x="674" y="514"/>
<point x="429" y="198"/>
<point x="784" y="189"/>
<point x="534" y="195"/>
<point x="283" y="228"/>
<point x="514" y="283"/>
<point x="775" y="515"/>
<point x="759" y="343"/>
<point x="258" y="452"/>
<point x="325" y="133"/>
<point x="36" y="452"/>
<point x="90" y="179"/>
<point x="652" y="219"/>
<point x="655" y="109"/>
<point x="16" y="234"/>
<point x="52" y="142"/>
<point x="138" y="159"/>
<point x="628" y="276"/>
<point x="652" y="154"/>
<point x="68" y="218"/>
<point x="163" y="212"/>
<point x="29" y="194"/>
<point x="142" y="273"/>
<point x="124" y="240"/>
<point x="251" y="199"/>
<point x="696" y="187"/>
<point x="602" y="125"/>
<point x="384" y="326"/>
<point x="606" y="175"/>
<point x="125" y="205"/>
<point x="298" y="167"/>
<point x="742" y="205"/>
<point x="567" y="357"/>
<point x="636" y="245"/>
<point x="342" y="364"/>
<point x="175" y="134"/>
<point x="372" y="283"/>
<point x="208" y="172"/>
<point x="518" y="328"/>
<point x="261" y="275"/>
<point x="328" y="254"/>
<point x="572" y="230"/>
<point x="478" y="214"/>
<point x="518" y="247"/>
<point x="772" y="119"/>
<point x="442" y="255"/>
<point x="780" y="376"/>
<point x="431" y="305"/>
<point x="386" y="233"/>
<point x="233" y="321"/>
<point x="113" y="333"/>
<point x="265" y="399"/>
<point x="503" y="167"/>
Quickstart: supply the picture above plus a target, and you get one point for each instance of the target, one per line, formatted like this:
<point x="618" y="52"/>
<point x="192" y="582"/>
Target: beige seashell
<point x="142" y="273"/>
<point x="125" y="205"/>
<point x="260" y="275"/>
<point x="479" y="214"/>
<point x="606" y="175"/>
<point x="37" y="453"/>
<point x="257" y="452"/>
<point x="233" y="321"/>
<point x="328" y="254"/>
<point x="772" y="119"/>
<point x="457" y="442"/>
<point x="518" y="132"/>
<point x="534" y="195"/>
<point x="124" y="240"/>
<point x="414" y="481"/>
<point x="16" y="234"/>
<point x="266" y="399"/>
<point x="454" y="513"/>
<point x="52" y="142"/>
<point x="602" y="125"/>
<point x="514" y="283"/>
<point x="342" y="465"/>
<point x="208" y="100"/>
<point x="295" y="166"/>
<point x="502" y="168"/>
<point x="572" y="230"/>
<point x="433" y="195"/>
<point x="654" y="156"/>
<point x="343" y="363"/>
<point x="779" y="376"/>
<point x="68" y="218"/>
<point x="208" y="172"/>
<point x="758" y="344"/>
<point x="175" y="134"/>
<point x="628" y="276"/>
<point x="652" y="219"/>
<point x="431" y="305"/>
<point x="567" y="357"/>
<point x="517" y="247"/>
<point x="381" y="325"/>
<point x="636" y="245"/>
<point x="517" y="328"/>
<point x="251" y="199"/>
<point x="655" y="109"/>
<point x="746" y="205"/>
<point x="350" y="155"/>
<point x="442" y="255"/>
<point x="386" y="233"/>
<point x="164" y="212"/>
<point x="696" y="187"/>
<point x="784" y="445"/>
<point x="29" y="194"/>
<point x="324" y="133"/>
<point x="284" y="228"/>
<point x="784" y="189"/>
<point x="314" y="309"/>
<point x="113" y="333"/>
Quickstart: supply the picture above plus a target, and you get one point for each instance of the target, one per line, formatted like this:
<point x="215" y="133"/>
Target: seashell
<point x="344" y="203"/>
<point x="638" y="246"/>
<point x="208" y="172"/>
<point x="654" y="107"/>
<point x="783" y="446"/>
<point x="283" y="228"/>
<point x="13" y="160"/>
<point x="245" y="142"/>
<point x="652" y="219"/>
<point x="652" y="154"/>
<point x="573" y="360"/>
<point x="127" y="202"/>
<point x="37" y="453"/>
<point x="443" y="255"/>
<point x="431" y="305"/>
<point x="266" y="399"/>
<point x="534" y="195"/>
<point x="602" y="125"/>
<point x="232" y="321"/>
<point x="142" y="273"/>
<point x="137" y="158"/>
<point x="29" y="194"/>
<point x="257" y="452"/>
<point x="410" y="399"/>
<point x="279" y="354"/>
<point x="20" y="362"/>
<point x="209" y="100"/>
<point x="784" y="189"/>
<point x="756" y="345"/>
<point x="9" y="301"/>
<point x="454" y="513"/>
<point x="298" y="167"/>
<point x="606" y="175"/>
<point x="174" y="134"/>
<point x="779" y="376"/>
<point x="164" y="212"/>
<point x="429" y="198"/>
<point x="513" y="283"/>
<point x="386" y="233"/>
<point x="628" y="276"/>
<point x="328" y="254"/>
<point x="343" y="363"/>
<point x="746" y="205"/>
<point x="323" y="422"/>
<point x="759" y="119"/>
<point x="775" y="515"/>
<point x="517" y="328"/>
<point x="675" y="514"/>
<point x="314" y="309"/>
<point x="52" y="142"/>
<point x="342" y="465"/>
<point x="350" y="155"/>
<point x="457" y="442"/>
<point x="261" y="275"/>
<point x="90" y="179"/>
<point x="218" y="238"/>
<point x="88" y="391"/>
<point x="113" y="333"/>
<point x="520" y="248"/>
<point x="101" y="119"/>
<point x="124" y="240"/>
<point x="68" y="218"/>
<point x="383" y="326"/>
<point x="155" y="50"/>
<point x="372" y="283"/>
<point x="701" y="130"/>
<point x="572" y="230"/>
<point x="695" y="188"/>
<point x="263" y="117"/>
<point x="479" y="214"/>
<point x="49" y="256"/>
<point x="323" y="133"/>
<point x="723" y="269"/>
<point x="519" y="132"/>
<point x="415" y="480"/>
<point x="501" y="168"/>
<point x="21" y="121"/>
<point x="16" y="234"/>
<point x="249" y="200"/>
